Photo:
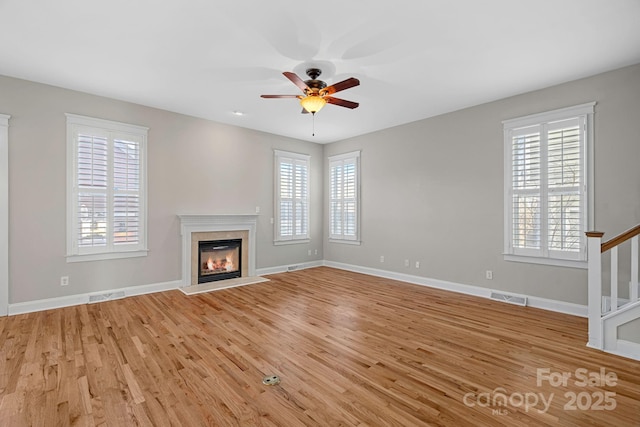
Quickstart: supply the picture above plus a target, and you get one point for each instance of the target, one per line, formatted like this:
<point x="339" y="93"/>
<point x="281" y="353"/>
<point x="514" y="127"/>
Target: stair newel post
<point x="594" y="279"/>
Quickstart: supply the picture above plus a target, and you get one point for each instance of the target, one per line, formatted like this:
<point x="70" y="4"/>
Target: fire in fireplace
<point x="219" y="260"/>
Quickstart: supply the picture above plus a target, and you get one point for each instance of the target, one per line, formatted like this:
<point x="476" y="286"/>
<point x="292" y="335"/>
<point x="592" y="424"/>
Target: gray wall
<point x="432" y="190"/>
<point x="194" y="167"/>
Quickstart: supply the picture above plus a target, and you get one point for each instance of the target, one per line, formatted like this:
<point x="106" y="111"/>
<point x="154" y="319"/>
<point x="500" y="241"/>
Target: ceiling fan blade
<point x="345" y="84"/>
<point x="304" y="111"/>
<point x="296" y="81"/>
<point x="279" y="96"/>
<point x="341" y="102"/>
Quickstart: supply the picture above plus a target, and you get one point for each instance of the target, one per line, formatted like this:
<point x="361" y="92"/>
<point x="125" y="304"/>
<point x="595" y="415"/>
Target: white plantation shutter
<point x="565" y="229"/>
<point x="126" y="197"/>
<point x="344" y="196"/>
<point x="292" y="196"/>
<point x="91" y="201"/>
<point x="107" y="214"/>
<point x="526" y="169"/>
<point x="546" y="183"/>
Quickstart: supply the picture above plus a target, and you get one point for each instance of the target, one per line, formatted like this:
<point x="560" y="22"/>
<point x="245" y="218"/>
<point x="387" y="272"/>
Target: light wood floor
<point x="351" y="350"/>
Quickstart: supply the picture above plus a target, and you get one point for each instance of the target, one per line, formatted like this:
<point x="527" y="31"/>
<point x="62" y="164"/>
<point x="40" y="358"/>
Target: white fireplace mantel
<point x="204" y="223"/>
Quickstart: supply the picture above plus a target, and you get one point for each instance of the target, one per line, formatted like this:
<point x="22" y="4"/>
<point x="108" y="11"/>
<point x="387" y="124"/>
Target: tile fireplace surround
<point x="194" y="228"/>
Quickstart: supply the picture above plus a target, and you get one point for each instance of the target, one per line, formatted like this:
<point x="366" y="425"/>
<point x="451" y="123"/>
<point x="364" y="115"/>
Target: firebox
<point x="219" y="260"/>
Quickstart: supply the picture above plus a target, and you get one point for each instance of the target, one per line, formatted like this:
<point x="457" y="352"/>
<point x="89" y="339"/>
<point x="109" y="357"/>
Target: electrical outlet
<point x="406" y="263"/>
<point x="489" y="275"/>
<point x="64" y="281"/>
<point x="417" y="264"/>
<point x="315" y="252"/>
<point x="257" y="209"/>
<point x="381" y="258"/>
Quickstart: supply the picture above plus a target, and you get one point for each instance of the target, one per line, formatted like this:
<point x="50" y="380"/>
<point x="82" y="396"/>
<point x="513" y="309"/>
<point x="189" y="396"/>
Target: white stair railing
<point x="603" y="314"/>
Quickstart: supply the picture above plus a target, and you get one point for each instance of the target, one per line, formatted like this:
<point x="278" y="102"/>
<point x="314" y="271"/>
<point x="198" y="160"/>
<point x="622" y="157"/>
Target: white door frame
<point x="4" y="214"/>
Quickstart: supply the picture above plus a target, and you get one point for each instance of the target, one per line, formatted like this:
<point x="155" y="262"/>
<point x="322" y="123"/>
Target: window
<point x="106" y="195"/>
<point x="548" y="207"/>
<point x="292" y="197"/>
<point x="344" y="197"/>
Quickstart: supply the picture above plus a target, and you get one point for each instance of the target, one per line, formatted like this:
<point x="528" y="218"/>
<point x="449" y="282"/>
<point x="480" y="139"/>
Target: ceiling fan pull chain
<point x="313" y="124"/>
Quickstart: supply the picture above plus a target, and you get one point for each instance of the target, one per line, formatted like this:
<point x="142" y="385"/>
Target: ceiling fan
<point x="316" y="92"/>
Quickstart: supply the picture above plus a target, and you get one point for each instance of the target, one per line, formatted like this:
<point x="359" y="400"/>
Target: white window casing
<point x="548" y="186"/>
<point x="106" y="189"/>
<point x="344" y="198"/>
<point x="292" y="197"/>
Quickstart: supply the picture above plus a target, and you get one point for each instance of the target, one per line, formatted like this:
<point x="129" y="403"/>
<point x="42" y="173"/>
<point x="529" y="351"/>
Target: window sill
<point x="106" y="256"/>
<point x="291" y="242"/>
<point x="345" y="242"/>
<point x="547" y="261"/>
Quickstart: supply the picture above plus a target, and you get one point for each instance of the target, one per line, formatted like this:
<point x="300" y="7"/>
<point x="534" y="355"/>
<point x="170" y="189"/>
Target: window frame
<point x="352" y="157"/>
<point x="576" y="259"/>
<point x="281" y="157"/>
<point x="111" y="130"/>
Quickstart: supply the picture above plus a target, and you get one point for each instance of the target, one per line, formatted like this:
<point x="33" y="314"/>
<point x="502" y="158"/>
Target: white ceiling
<point x="414" y="58"/>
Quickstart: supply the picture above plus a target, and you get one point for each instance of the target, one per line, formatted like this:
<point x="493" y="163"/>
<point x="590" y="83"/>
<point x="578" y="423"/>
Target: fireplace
<point x="206" y="228"/>
<point x="219" y="260"/>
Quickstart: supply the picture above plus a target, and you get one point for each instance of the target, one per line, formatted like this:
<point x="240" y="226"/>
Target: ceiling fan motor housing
<point x="314" y="83"/>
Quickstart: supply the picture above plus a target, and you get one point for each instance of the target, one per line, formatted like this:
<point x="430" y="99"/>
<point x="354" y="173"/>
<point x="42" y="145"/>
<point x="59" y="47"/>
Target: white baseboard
<point x="70" y="300"/>
<point x="628" y="349"/>
<point x="67" y="301"/>
<point x="559" y="306"/>
<point x="416" y="280"/>
<point x="291" y="267"/>
<point x="532" y="301"/>
<point x="537" y="302"/>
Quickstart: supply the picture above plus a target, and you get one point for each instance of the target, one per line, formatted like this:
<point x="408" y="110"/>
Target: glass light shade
<point x="313" y="103"/>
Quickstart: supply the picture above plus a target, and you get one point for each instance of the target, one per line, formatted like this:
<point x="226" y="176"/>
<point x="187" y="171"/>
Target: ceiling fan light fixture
<point x="313" y="103"/>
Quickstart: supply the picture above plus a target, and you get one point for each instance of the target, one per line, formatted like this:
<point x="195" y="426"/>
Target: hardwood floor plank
<point x="351" y="350"/>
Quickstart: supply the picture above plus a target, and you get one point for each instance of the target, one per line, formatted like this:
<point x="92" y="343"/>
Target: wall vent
<point x="293" y="268"/>
<point x="106" y="297"/>
<point x="511" y="299"/>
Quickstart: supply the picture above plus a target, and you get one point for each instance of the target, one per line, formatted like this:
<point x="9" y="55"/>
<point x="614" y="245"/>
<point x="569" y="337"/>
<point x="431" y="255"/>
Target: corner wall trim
<point x="70" y="300"/>
<point x="533" y="301"/>
<point x="4" y="214"/>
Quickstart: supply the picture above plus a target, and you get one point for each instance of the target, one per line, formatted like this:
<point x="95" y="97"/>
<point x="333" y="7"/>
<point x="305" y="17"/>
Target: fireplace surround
<point x="196" y="228"/>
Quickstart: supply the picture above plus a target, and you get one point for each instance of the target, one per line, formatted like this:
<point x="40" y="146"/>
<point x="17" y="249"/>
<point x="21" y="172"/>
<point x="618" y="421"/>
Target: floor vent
<point x="293" y="267"/>
<point x="106" y="297"/>
<point x="511" y="299"/>
<point x="271" y="380"/>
